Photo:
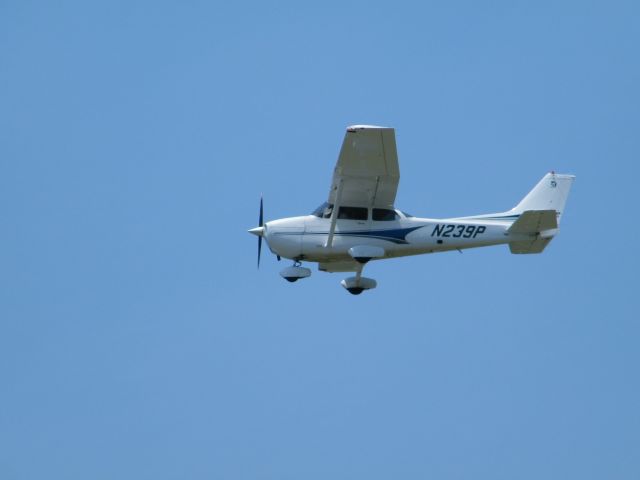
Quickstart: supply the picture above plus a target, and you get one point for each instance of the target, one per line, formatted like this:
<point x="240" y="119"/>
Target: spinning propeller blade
<point x="261" y="224"/>
<point x="259" y="231"/>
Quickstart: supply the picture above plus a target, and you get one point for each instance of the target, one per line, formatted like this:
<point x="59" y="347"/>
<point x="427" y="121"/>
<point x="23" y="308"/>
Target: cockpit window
<point x="353" y="213"/>
<point x="323" y="211"/>
<point x="406" y="214"/>
<point x="383" y="215"/>
<point x="344" y="213"/>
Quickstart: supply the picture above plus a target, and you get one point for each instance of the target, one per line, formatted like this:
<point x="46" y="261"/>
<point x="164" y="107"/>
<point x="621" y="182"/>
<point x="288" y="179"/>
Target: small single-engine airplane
<point x="359" y="221"/>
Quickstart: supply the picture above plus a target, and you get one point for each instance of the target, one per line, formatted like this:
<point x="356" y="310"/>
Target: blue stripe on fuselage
<point x="397" y="235"/>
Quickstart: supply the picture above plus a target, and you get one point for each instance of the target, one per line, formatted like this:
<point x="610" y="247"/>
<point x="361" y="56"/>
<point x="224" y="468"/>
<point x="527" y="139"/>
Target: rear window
<point x="353" y="213"/>
<point x="384" y="214"/>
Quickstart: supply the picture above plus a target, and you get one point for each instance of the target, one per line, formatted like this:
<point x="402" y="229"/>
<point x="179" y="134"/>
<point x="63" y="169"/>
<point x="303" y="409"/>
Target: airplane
<point x="359" y="222"/>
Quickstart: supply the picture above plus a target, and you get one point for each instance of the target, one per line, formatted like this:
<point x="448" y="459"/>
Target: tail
<point x="550" y="193"/>
<point x="539" y="213"/>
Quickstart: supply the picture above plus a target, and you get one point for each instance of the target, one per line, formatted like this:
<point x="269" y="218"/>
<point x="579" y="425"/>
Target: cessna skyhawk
<point x="359" y="222"/>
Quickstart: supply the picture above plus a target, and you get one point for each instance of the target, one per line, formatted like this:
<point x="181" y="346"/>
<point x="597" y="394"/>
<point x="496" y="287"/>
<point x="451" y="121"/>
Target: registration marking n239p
<point x="457" y="231"/>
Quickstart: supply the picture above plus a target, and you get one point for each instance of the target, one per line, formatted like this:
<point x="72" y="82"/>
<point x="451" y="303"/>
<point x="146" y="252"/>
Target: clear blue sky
<point x="137" y="339"/>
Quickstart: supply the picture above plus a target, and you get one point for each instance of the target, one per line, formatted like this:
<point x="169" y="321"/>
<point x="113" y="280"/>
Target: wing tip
<point x="354" y="128"/>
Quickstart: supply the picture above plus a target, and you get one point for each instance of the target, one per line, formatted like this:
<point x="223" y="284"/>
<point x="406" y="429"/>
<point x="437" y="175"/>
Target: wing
<point x="367" y="173"/>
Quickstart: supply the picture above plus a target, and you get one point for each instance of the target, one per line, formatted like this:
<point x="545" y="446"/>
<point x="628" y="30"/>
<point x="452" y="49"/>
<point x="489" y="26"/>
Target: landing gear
<point x="358" y="284"/>
<point x="362" y="254"/>
<point x="355" y="290"/>
<point x="295" y="273"/>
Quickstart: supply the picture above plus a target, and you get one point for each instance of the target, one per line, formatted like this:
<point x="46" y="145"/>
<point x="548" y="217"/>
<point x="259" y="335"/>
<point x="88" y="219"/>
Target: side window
<point x="383" y="215"/>
<point x="353" y="213"/>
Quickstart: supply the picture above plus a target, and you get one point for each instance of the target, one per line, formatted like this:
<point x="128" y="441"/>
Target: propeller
<point x="261" y="225"/>
<point x="259" y="230"/>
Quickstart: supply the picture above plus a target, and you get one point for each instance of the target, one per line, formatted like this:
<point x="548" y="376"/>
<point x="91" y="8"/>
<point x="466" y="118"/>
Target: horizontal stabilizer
<point x="535" y="221"/>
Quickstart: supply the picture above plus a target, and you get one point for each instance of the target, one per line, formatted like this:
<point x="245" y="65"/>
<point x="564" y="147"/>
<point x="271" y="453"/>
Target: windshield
<point x="323" y="211"/>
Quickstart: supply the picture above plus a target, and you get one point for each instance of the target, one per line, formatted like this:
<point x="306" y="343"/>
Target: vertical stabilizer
<point x="549" y="194"/>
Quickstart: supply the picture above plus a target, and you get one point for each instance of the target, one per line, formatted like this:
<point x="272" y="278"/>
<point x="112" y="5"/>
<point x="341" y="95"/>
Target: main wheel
<point x="355" y="290"/>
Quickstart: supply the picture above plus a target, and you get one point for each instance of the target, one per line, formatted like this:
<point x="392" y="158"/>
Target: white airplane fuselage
<point x="305" y="237"/>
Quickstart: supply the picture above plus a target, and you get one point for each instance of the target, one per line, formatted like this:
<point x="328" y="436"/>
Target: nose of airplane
<point x="257" y="231"/>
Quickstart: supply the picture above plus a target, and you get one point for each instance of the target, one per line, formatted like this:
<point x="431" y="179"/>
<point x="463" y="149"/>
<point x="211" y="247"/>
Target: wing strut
<point x="334" y="215"/>
<point x="375" y="192"/>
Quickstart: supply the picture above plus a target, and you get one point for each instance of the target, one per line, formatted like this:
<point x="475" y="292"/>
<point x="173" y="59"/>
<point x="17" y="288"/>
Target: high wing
<point x="367" y="173"/>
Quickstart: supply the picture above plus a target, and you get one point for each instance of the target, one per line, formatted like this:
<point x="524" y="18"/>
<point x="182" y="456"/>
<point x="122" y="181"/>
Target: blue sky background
<point x="137" y="339"/>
